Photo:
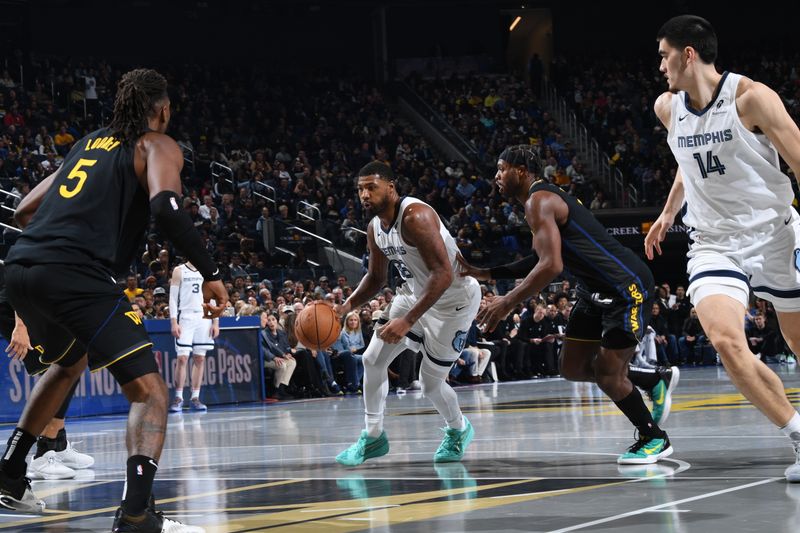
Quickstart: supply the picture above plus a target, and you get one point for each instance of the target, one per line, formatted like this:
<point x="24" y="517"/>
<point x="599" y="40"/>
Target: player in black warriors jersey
<point x="615" y="293"/>
<point x="82" y="226"/>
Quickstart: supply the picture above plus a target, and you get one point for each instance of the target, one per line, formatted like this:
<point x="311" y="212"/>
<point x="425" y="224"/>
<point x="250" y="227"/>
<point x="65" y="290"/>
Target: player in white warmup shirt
<point x="193" y="333"/>
<point x="727" y="132"/>
<point x="432" y="311"/>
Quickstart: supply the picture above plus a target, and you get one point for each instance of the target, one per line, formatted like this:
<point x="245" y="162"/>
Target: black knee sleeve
<point x="134" y="366"/>
<point x="617" y="339"/>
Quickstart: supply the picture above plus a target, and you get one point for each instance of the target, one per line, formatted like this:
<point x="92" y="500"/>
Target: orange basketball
<point x="317" y="326"/>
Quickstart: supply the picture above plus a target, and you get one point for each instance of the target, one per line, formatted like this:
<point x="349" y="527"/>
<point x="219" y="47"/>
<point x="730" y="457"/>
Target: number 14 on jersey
<point x="710" y="165"/>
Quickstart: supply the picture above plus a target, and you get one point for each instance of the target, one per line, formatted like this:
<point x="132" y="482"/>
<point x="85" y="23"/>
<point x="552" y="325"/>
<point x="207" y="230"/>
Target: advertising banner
<point x="233" y="373"/>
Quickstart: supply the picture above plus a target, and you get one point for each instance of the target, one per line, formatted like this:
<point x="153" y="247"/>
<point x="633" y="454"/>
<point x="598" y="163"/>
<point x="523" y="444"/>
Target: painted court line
<point x="664" y="505"/>
<point x="93" y="512"/>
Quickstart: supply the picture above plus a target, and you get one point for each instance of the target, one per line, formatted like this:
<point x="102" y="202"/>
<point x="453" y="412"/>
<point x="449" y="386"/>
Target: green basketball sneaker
<point x="661" y="394"/>
<point x="366" y="447"/>
<point x="646" y="450"/>
<point x="454" y="444"/>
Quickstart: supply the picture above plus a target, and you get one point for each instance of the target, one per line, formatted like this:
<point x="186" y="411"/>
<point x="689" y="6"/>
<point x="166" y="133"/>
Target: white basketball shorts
<point x="442" y="330"/>
<point x="766" y="260"/>
<point x="195" y="335"/>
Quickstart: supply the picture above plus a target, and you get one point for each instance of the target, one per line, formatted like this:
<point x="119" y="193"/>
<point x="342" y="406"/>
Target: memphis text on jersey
<point x="393" y="250"/>
<point x="702" y="139"/>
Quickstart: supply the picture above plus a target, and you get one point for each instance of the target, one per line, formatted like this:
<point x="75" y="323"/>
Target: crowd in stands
<point x="304" y="137"/>
<point x="675" y="336"/>
<point x="614" y="99"/>
<point x="493" y="112"/>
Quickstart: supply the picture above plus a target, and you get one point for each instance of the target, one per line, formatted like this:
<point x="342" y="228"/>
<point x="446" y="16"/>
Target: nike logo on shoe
<point x="374" y="445"/>
<point x="653" y="448"/>
<point x="683" y="117"/>
<point x="7" y="502"/>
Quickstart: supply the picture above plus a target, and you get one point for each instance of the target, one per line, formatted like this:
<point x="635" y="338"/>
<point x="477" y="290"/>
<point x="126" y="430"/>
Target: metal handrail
<point x="269" y="189"/>
<point x="442" y="122"/>
<point x="9" y="193"/>
<point x="323" y="239"/>
<point x="14" y="228"/>
<point x="186" y="150"/>
<point x="353" y="228"/>
<point x="612" y="178"/>
<point x="289" y="252"/>
<point x="312" y="207"/>
<point x="216" y="173"/>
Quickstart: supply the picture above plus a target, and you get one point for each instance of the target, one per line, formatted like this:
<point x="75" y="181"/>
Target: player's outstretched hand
<point x="342" y="309"/>
<point x="214" y="290"/>
<point x="20" y="343"/>
<point x="496" y="310"/>
<point x="481" y="274"/>
<point x="656" y="235"/>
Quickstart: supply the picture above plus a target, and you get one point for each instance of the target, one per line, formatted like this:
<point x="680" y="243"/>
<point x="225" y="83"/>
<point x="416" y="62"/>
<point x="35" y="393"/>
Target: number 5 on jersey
<point x="76" y="174"/>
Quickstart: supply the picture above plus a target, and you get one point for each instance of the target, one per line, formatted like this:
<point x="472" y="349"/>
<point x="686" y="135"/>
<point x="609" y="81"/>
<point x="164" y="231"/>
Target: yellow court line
<point x="46" y="493"/>
<point x="386" y="511"/>
<point x="696" y="402"/>
<point x="90" y="512"/>
<point x="331" y="509"/>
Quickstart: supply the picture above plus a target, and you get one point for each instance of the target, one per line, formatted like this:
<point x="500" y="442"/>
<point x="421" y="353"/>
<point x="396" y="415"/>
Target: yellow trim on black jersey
<point x="580" y="340"/>
<point x="60" y="357"/>
<point x="123" y="356"/>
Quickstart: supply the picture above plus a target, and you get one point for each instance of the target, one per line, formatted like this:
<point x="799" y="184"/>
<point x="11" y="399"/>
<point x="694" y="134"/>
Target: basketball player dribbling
<point x="432" y="311"/>
<point x="726" y="132"/>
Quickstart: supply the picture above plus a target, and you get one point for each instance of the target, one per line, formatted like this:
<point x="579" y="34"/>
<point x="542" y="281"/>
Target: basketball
<point x="317" y="326"/>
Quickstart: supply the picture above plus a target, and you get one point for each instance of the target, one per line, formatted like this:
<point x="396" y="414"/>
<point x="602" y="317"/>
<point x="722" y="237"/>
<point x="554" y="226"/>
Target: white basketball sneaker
<point x="49" y="467"/>
<point x="74" y="459"/>
<point x="793" y="472"/>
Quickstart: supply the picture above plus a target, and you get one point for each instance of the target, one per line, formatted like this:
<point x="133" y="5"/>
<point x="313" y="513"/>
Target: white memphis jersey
<point x="190" y="292"/>
<point x="408" y="260"/>
<point x="732" y="177"/>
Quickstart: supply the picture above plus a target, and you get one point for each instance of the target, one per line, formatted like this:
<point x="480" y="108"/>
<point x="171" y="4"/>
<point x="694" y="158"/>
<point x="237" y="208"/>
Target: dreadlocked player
<point x="614" y="297"/>
<point x="90" y="218"/>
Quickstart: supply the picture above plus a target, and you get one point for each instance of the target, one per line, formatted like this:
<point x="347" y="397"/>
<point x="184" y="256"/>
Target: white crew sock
<point x="792" y="429"/>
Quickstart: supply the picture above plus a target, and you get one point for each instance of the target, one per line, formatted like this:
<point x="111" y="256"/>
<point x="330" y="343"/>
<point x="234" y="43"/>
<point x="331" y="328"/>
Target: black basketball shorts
<point x="617" y="321"/>
<point x="81" y="303"/>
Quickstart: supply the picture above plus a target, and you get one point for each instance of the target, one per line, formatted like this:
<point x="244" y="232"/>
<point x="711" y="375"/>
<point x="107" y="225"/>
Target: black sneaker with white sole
<point x="16" y="495"/>
<point x="150" y="521"/>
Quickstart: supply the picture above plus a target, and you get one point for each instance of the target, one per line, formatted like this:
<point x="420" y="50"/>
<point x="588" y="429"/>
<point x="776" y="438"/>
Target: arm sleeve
<point x="173" y="301"/>
<point x="179" y="228"/>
